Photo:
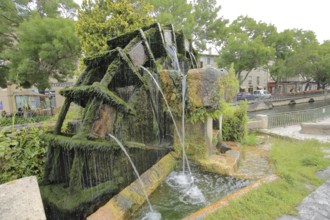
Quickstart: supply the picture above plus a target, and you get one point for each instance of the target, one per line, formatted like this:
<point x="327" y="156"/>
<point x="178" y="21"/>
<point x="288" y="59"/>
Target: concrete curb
<point x="121" y="206"/>
<point x="21" y="199"/>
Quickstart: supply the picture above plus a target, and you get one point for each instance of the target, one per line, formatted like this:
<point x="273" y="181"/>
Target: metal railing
<point x="296" y="117"/>
<point x="288" y="96"/>
<point x="305" y="94"/>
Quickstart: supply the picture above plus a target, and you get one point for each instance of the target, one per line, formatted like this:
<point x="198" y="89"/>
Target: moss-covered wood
<point x="61" y="116"/>
<point x="60" y="203"/>
<point x="100" y="92"/>
<point x="118" y="97"/>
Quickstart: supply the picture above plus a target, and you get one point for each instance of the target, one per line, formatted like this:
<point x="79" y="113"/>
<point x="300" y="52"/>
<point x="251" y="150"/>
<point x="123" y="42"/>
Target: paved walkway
<point x="315" y="206"/>
<point x="293" y="132"/>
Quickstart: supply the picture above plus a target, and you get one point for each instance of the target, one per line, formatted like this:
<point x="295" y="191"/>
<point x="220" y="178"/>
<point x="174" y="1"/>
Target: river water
<point x="290" y="108"/>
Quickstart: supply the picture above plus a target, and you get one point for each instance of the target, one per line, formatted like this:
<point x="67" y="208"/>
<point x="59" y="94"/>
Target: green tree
<point x="322" y="66"/>
<point x="57" y="8"/>
<point x="47" y="48"/>
<point x="296" y="55"/>
<point x="284" y="44"/>
<point x="100" y="20"/>
<point x="208" y="27"/>
<point x="247" y="46"/>
<point x="198" y="20"/>
<point x="14" y="12"/>
<point x="176" y="12"/>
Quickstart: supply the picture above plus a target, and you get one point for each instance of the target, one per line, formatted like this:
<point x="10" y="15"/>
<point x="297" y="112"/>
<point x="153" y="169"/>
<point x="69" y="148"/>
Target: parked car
<point x="264" y="94"/>
<point x="245" y="96"/>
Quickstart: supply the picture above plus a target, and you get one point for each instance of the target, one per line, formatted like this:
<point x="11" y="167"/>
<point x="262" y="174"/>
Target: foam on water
<point x="188" y="192"/>
<point x="179" y="180"/>
<point x="152" y="216"/>
<point x="193" y="195"/>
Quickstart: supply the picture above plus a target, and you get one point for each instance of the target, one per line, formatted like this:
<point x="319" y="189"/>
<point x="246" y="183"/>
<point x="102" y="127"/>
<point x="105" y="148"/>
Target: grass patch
<point x="296" y="163"/>
<point x="250" y="139"/>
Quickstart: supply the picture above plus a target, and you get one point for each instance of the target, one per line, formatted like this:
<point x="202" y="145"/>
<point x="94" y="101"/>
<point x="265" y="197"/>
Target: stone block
<point x="315" y="128"/>
<point x="21" y="199"/>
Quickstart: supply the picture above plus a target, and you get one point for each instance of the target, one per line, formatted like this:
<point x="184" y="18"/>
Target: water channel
<point x="176" y="200"/>
<point x="290" y="108"/>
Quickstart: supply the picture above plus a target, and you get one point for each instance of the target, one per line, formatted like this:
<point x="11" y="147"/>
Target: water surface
<point x="179" y="196"/>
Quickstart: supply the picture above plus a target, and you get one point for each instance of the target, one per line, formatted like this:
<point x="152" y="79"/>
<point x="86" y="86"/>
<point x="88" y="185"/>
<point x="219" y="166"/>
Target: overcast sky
<point x="284" y="14"/>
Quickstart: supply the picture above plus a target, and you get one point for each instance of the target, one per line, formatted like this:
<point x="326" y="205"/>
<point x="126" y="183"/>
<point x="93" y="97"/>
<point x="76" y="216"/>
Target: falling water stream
<point x="171" y="50"/>
<point x="191" y="194"/>
<point x="152" y="214"/>
<point x="184" y="82"/>
<point x="185" y="159"/>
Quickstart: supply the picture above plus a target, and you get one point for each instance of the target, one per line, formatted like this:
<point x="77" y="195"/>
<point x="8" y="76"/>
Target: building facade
<point x="257" y="79"/>
<point x="12" y="98"/>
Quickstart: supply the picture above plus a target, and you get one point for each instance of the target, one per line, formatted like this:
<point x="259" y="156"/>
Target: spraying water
<point x="175" y="61"/>
<point x="152" y="214"/>
<point x="184" y="82"/>
<point x="184" y="158"/>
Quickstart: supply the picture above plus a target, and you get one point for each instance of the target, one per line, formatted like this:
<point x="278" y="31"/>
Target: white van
<point x="262" y="94"/>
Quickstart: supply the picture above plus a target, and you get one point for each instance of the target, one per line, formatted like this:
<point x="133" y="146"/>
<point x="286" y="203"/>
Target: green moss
<point x="170" y="82"/>
<point x="122" y="40"/>
<point x="59" y="200"/>
<point x="68" y="143"/>
<point x="76" y="172"/>
<point x="100" y="92"/>
<point x="99" y="59"/>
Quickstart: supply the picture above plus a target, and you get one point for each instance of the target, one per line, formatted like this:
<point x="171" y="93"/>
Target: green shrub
<point x="22" y="153"/>
<point x="234" y="125"/>
<point x="22" y="120"/>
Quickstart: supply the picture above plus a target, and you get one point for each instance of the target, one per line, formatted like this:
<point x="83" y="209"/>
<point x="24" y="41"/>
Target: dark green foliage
<point x="310" y="161"/>
<point x="22" y="120"/>
<point x="234" y="126"/>
<point x="47" y="48"/>
<point x="22" y="153"/>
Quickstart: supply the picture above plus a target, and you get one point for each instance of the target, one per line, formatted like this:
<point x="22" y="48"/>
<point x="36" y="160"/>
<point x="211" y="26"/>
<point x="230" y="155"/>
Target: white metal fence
<point x="296" y="117"/>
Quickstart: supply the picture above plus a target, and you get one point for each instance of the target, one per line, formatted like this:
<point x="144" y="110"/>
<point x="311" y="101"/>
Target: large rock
<point x="20" y="199"/>
<point x="203" y="87"/>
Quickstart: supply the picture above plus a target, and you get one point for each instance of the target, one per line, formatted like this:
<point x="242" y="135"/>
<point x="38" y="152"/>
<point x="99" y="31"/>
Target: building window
<point x="1" y="106"/>
<point x="250" y="80"/>
<point x="258" y="80"/>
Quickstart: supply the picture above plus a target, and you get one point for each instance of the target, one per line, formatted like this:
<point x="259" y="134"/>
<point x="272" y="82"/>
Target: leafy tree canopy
<point x="322" y="73"/>
<point x="209" y="27"/>
<point x="296" y="55"/>
<point x="199" y="19"/>
<point x="176" y="12"/>
<point x="13" y="13"/>
<point x="47" y="48"/>
<point x="100" y="20"/>
<point x="247" y="46"/>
